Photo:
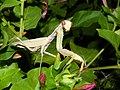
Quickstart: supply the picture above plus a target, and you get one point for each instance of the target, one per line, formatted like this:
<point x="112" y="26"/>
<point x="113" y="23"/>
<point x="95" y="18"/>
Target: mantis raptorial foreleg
<point x="66" y="52"/>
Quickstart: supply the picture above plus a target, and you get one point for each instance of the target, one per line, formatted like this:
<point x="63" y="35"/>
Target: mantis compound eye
<point x="67" y="25"/>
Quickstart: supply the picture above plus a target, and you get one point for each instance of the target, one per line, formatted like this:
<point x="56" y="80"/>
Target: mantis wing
<point x="37" y="42"/>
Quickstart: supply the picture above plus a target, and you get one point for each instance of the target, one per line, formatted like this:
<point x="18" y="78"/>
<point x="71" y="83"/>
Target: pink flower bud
<point x="86" y="87"/>
<point x="42" y="79"/>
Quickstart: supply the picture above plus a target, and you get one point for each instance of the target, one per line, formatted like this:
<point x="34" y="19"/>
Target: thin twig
<point x="21" y="19"/>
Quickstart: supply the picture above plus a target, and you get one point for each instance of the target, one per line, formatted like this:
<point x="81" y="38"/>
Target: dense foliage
<point x="94" y="35"/>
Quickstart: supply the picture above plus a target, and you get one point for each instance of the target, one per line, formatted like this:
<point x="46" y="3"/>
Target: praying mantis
<point x="43" y="43"/>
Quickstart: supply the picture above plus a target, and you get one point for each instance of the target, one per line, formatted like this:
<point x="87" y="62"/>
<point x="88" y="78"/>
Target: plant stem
<point x="40" y="68"/>
<point x="100" y="50"/>
<point x="9" y="26"/>
<point x="94" y="58"/>
<point x="114" y="27"/>
<point x="106" y="67"/>
<point x="21" y="19"/>
<point x="118" y="3"/>
<point x="12" y="29"/>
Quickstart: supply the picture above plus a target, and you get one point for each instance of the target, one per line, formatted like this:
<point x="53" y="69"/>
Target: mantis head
<point x="67" y="25"/>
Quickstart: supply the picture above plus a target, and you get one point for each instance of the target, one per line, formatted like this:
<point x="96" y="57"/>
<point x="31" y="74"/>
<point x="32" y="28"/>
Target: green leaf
<point x="17" y="11"/>
<point x="17" y="24"/>
<point x="116" y="13"/>
<point x="112" y="19"/>
<point x="28" y="83"/>
<point x="87" y="30"/>
<point x="107" y="9"/>
<point x="114" y="16"/>
<point x="10" y="29"/>
<point x="6" y="53"/>
<point x="64" y="88"/>
<point x="103" y="22"/>
<point x="17" y="77"/>
<point x="117" y="32"/>
<point x="7" y="35"/>
<point x="59" y="9"/>
<point x="63" y="63"/>
<point x="65" y="78"/>
<point x="50" y="26"/>
<point x="85" y="53"/>
<point x="78" y="85"/>
<point x="8" y="74"/>
<point x="68" y="82"/>
<point x="5" y="39"/>
<point x="33" y="75"/>
<point x="9" y="3"/>
<point x="88" y="76"/>
<point x="110" y="36"/>
<point x="57" y="62"/>
<point x="85" y="18"/>
<point x="50" y="2"/>
<point x="71" y="3"/>
<point x="74" y="67"/>
<point x="47" y="58"/>
<point x="31" y="17"/>
<point x="50" y="82"/>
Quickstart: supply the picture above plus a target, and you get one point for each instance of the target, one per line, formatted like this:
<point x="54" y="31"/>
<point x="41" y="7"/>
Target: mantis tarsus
<point x="44" y="42"/>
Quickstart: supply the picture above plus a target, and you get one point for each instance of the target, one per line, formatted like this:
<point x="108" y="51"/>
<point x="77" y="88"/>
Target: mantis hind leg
<point x="73" y="56"/>
<point x="82" y="64"/>
<point x="70" y="61"/>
